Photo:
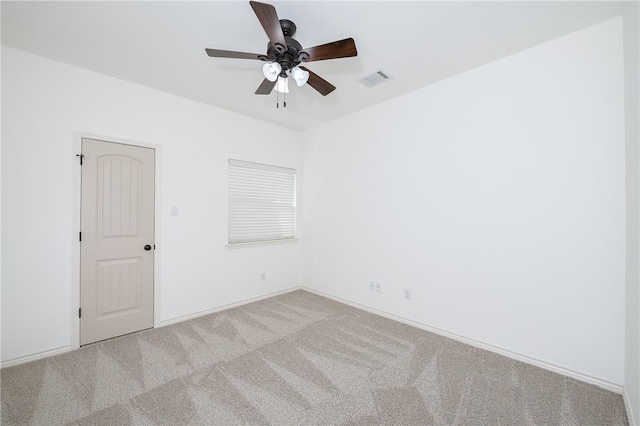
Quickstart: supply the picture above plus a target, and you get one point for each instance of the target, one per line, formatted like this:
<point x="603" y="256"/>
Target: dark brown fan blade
<point x="268" y="17"/>
<point x="266" y="87"/>
<point x="319" y="83"/>
<point x="217" y="53"/>
<point x="338" y="49"/>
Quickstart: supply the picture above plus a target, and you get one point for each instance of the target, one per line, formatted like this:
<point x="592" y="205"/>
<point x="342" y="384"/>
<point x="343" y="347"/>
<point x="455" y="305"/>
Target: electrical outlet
<point x="407" y="294"/>
<point x="263" y="276"/>
<point x="378" y="287"/>
<point x="372" y="286"/>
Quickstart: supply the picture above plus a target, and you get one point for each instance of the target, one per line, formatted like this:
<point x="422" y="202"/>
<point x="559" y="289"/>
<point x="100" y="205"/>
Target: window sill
<point x="262" y="243"/>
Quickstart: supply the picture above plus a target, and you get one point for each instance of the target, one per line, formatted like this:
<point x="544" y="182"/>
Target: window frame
<point x="265" y="197"/>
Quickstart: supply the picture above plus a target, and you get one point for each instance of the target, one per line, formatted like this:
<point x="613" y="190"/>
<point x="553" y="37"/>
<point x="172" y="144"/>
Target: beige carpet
<point x="295" y="359"/>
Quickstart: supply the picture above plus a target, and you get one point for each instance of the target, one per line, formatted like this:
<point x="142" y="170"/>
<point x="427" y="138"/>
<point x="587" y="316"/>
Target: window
<point x="262" y="202"/>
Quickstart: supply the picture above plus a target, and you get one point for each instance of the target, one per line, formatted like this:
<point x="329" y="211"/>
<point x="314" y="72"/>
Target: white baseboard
<point x="58" y="351"/>
<point x="227" y="306"/>
<point x="34" y="357"/>
<point x="519" y="357"/>
<point x="614" y="387"/>
<point x="627" y="405"/>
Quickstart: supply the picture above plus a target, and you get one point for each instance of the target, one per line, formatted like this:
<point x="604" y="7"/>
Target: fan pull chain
<point x="277" y="99"/>
<point x="285" y="99"/>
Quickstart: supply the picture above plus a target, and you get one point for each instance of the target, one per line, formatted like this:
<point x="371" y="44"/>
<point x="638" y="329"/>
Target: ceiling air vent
<point x="375" y="78"/>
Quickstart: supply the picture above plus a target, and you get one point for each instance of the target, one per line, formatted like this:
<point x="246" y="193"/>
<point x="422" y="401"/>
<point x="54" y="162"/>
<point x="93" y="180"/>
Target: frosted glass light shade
<point x="271" y="70"/>
<point x="282" y="85"/>
<point x="299" y="75"/>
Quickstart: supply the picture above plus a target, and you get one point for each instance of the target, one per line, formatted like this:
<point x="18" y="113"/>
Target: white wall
<point x="497" y="196"/>
<point x="43" y="103"/>
<point x="631" y="25"/>
<point x="0" y="194"/>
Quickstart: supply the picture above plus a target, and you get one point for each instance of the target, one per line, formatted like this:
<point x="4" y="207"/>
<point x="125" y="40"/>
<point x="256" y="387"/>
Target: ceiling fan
<point x="285" y="54"/>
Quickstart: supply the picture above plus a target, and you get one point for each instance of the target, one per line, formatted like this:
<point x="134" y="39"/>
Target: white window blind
<point x="262" y="202"/>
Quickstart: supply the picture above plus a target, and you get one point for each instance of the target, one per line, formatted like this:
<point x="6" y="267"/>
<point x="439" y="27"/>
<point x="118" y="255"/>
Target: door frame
<point x="75" y="225"/>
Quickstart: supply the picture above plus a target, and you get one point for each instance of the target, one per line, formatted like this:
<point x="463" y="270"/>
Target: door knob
<point x="147" y="247"/>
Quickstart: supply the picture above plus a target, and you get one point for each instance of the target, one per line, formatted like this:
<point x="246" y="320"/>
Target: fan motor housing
<point x="294" y="55"/>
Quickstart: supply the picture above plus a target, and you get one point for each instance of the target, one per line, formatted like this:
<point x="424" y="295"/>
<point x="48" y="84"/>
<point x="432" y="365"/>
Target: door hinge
<point x="80" y="236"/>
<point x="81" y="157"/>
<point x="79" y="312"/>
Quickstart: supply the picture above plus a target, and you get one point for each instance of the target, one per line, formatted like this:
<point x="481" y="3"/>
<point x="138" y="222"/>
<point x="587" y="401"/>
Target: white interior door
<point x="117" y="240"/>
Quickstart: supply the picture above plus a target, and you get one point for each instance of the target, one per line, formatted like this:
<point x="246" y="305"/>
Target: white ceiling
<point x="161" y="44"/>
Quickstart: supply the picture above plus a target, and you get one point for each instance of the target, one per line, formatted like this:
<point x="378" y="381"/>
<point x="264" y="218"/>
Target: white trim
<point x="613" y="387"/>
<point x="64" y="349"/>
<point x="262" y="243"/>
<point x="228" y="306"/>
<point x="519" y="357"/>
<point x="262" y="166"/>
<point x="35" y="357"/>
<point x="75" y="244"/>
<point x="627" y="405"/>
<point x="75" y="226"/>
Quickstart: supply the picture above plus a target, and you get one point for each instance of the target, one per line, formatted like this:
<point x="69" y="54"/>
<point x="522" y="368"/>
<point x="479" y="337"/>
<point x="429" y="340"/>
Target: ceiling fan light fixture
<point x="284" y="53"/>
<point x="271" y="71"/>
<point x="300" y="76"/>
<point x="282" y="85"/>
